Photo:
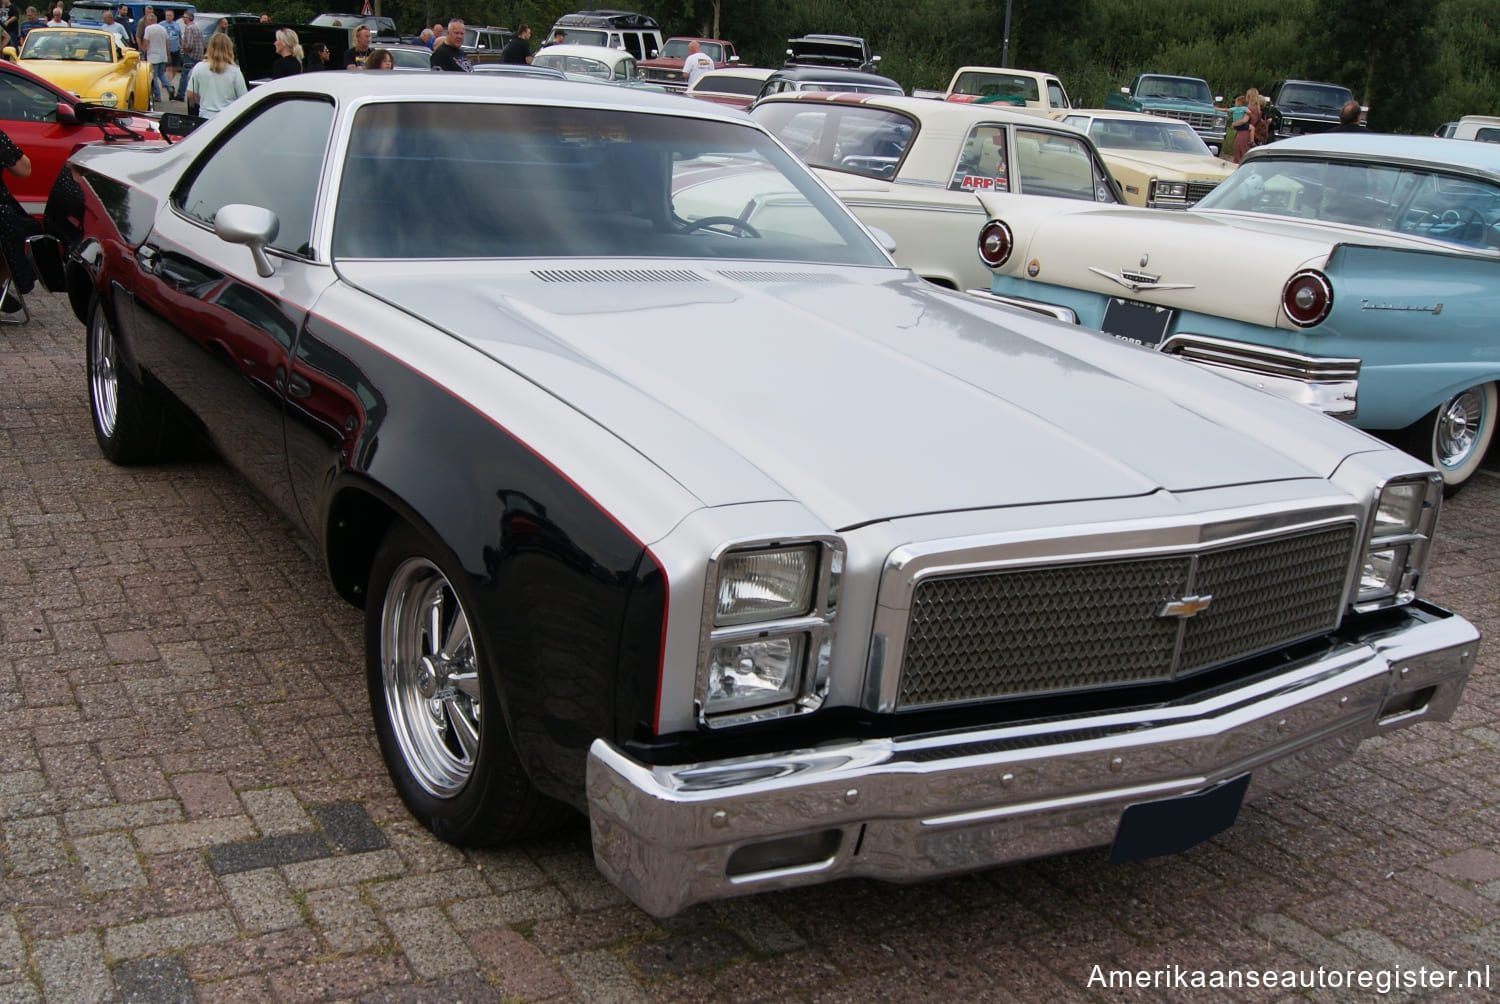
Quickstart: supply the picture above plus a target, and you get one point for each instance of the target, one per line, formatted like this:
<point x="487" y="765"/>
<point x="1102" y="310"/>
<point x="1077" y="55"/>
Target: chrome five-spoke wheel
<point x="431" y="678"/>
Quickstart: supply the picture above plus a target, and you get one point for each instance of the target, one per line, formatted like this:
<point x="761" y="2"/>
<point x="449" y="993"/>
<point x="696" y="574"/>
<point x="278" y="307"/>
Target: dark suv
<point x="1302" y="107"/>
<point x="846" y="52"/>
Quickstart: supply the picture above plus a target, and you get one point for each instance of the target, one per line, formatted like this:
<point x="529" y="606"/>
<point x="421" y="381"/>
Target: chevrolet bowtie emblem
<point x="1137" y="281"/>
<point x="1186" y="607"/>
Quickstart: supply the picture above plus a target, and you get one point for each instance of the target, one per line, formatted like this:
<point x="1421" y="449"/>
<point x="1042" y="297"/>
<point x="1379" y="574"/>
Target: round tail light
<point x="995" y="243"/>
<point x="1307" y="298"/>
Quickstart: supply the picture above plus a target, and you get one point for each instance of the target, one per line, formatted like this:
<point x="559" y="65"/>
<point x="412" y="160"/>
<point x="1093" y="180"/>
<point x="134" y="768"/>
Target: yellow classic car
<point x="88" y="62"/>
<point x="1161" y="163"/>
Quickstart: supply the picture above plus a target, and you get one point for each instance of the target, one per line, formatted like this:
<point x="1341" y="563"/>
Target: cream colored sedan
<point x="911" y="167"/>
<point x="1160" y="163"/>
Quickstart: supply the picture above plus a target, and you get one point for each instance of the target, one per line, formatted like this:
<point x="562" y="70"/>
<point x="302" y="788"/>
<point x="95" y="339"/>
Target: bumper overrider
<point x="917" y="807"/>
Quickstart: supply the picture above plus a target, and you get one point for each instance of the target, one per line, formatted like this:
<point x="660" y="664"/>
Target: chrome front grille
<point x="1059" y="628"/>
<point x="1198" y="189"/>
<point x="1198" y="120"/>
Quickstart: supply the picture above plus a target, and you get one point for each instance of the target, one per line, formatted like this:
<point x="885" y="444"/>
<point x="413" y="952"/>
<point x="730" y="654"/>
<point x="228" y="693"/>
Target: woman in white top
<point x="215" y="80"/>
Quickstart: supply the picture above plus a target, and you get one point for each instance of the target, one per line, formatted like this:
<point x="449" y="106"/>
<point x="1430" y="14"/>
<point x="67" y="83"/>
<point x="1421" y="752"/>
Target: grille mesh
<point x="1198" y="189"/>
<point x="1028" y="631"/>
<point x="1265" y="595"/>
<point x="1198" y="120"/>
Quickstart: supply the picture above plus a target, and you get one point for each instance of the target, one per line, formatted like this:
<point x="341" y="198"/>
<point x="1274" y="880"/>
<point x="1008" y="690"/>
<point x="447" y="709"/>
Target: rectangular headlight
<point x="1395" y="552"/>
<point x="753" y="673"/>
<point x="1171" y="189"/>
<point x="766" y="585"/>
<point x="1399" y="510"/>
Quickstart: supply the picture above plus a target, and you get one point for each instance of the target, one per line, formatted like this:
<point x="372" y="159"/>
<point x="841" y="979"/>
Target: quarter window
<point x="983" y="161"/>
<point x="273" y="161"/>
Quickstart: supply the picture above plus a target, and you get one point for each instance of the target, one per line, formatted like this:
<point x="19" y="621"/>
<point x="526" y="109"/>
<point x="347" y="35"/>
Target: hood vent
<point x="762" y="276"/>
<point x="617" y="275"/>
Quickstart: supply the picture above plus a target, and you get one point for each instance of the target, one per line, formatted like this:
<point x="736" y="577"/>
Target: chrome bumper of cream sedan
<point x="1329" y="384"/>
<point x="918" y="807"/>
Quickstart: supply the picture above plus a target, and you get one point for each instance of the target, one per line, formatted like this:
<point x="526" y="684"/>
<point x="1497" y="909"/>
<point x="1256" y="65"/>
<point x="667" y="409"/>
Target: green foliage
<point x="1416" y="63"/>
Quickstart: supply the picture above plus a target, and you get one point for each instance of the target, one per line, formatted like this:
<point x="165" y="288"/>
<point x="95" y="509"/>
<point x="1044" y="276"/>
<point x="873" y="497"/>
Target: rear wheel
<point x="435" y="702"/>
<point x="1455" y="435"/>
<point x="128" y="420"/>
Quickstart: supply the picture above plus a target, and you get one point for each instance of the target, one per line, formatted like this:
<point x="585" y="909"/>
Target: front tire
<point x="435" y="703"/>
<point x="1455" y="436"/>
<point x="129" y="422"/>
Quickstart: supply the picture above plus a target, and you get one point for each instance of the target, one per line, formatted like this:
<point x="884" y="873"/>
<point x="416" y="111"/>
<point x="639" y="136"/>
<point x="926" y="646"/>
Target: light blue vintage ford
<point x="1355" y="272"/>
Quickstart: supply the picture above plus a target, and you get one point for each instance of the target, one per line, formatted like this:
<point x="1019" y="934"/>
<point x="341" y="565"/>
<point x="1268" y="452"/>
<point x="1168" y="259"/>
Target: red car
<point x="48" y="124"/>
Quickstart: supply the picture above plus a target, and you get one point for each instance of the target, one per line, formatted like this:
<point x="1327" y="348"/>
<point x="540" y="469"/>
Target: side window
<point x="23" y="100"/>
<point x="625" y="69"/>
<point x="1487" y="135"/>
<point x="1056" y="96"/>
<point x="633" y="44"/>
<point x="1050" y="163"/>
<point x="983" y="162"/>
<point x="273" y="161"/>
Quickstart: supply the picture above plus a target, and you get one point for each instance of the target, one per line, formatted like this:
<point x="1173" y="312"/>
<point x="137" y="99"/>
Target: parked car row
<point x="680" y="505"/>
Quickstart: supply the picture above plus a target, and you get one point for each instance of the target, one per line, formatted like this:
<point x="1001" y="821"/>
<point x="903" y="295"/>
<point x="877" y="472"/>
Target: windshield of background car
<point x="583" y="36"/>
<point x="1175" y="89"/>
<point x="581" y="65"/>
<point x="79" y="46"/>
<point x="1002" y="85"/>
<point x="1396" y="198"/>
<point x="1063" y="166"/>
<point x="749" y="86"/>
<point x="1313" y="97"/>
<point x="541" y="181"/>
<point x="1166" y="136"/>
<point x="854" y="138"/>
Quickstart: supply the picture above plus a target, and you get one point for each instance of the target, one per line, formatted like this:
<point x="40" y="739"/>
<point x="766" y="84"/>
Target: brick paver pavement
<point x="192" y="804"/>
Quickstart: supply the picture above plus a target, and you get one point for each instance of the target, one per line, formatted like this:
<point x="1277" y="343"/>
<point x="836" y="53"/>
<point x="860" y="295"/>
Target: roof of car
<point x="602" y="53"/>
<point x="747" y="72"/>
<point x="461" y="87"/>
<point x="959" y="114"/>
<point x="1430" y="151"/>
<point x="833" y="74"/>
<point x="1116" y="113"/>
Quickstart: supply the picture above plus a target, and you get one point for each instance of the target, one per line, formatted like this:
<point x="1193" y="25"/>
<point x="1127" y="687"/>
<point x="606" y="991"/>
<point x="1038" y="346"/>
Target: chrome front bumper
<point x="919" y="807"/>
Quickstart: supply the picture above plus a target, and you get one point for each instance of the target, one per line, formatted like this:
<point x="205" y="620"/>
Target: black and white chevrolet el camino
<point x="667" y="497"/>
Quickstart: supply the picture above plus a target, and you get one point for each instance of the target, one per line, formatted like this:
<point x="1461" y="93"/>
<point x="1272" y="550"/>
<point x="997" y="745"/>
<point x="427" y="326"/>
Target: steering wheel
<point x="722" y="221"/>
<point x="1451" y="220"/>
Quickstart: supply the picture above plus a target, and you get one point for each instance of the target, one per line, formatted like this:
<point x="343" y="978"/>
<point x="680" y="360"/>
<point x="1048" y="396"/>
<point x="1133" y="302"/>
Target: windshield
<point x="1399" y="199"/>
<point x="84" y="46"/>
<point x="854" y="138"/>
<point x="998" y="85"/>
<point x="583" y="36"/>
<point x="581" y="65"/>
<point x="1161" y="136"/>
<point x="582" y="182"/>
<point x="1175" y="89"/>
<point x="1314" y="97"/>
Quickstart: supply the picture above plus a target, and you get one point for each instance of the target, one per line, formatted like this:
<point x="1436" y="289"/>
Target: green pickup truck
<point x="1185" y="98"/>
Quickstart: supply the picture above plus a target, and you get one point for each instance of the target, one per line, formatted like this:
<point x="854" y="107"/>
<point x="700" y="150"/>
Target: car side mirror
<point x="1218" y="99"/>
<point x="1124" y="90"/>
<point x="251" y="226"/>
<point x="175" y="125"/>
<point x="65" y="114"/>
<point x="884" y="239"/>
<point x="734" y="59"/>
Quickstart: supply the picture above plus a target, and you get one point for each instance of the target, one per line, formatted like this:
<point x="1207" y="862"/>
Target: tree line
<point x="1415" y="63"/>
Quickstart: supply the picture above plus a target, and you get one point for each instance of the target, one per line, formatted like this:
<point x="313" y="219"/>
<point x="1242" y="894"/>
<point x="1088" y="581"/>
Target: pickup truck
<point x="666" y="67"/>
<point x="1304" y="107"/>
<point x="1185" y="98"/>
<point x="1024" y="90"/>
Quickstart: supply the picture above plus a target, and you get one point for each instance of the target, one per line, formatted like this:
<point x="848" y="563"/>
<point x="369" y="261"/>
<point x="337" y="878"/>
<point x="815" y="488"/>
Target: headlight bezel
<point x="812" y="630"/>
<point x="1393" y="556"/>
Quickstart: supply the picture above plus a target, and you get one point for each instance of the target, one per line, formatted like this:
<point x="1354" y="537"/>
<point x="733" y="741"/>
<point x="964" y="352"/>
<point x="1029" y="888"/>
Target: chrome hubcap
<point x="1458" y="424"/>
<point x="431" y="677"/>
<point x="104" y="383"/>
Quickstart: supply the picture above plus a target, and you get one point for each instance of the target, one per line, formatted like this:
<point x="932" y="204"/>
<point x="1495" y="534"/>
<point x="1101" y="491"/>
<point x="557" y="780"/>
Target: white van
<point x="637" y="34"/>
